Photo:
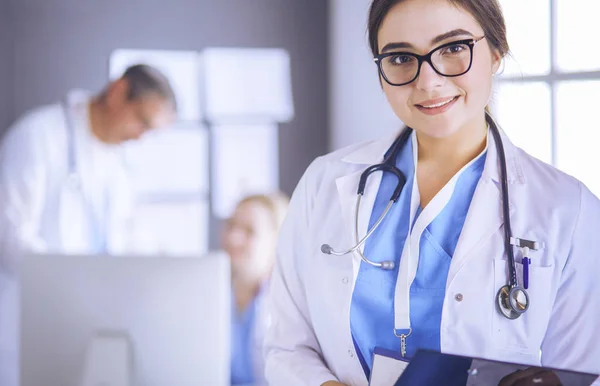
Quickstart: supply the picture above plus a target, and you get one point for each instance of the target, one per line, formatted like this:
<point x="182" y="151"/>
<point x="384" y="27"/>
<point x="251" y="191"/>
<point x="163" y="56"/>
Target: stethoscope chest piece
<point x="512" y="302"/>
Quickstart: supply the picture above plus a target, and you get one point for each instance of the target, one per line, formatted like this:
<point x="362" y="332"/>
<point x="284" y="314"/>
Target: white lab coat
<point x="310" y="340"/>
<point x="41" y="212"/>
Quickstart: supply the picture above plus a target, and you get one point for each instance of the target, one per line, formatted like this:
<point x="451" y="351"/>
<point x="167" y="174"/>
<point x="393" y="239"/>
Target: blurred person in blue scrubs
<point x="249" y="238"/>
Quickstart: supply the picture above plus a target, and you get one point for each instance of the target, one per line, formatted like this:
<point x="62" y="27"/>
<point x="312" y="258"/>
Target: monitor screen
<point x="167" y="318"/>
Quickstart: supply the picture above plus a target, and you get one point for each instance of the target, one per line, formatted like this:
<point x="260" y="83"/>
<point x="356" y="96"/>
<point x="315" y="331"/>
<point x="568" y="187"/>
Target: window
<point x="577" y="131"/>
<point x="527" y="124"/>
<point x="528" y="37"/>
<point x="546" y="95"/>
<point x="576" y="40"/>
<point x="169" y="170"/>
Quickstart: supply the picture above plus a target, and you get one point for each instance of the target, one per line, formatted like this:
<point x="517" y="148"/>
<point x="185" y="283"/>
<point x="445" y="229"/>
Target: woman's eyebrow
<point x="400" y="45"/>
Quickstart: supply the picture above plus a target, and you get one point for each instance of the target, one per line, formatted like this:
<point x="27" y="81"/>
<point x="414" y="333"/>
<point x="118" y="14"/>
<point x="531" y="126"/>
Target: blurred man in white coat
<point x="63" y="188"/>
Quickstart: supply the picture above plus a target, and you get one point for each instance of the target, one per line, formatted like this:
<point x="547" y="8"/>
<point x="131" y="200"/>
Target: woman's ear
<point x="496" y="61"/>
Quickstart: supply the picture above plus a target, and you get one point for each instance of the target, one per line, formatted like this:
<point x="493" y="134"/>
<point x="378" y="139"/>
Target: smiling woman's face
<point x="435" y="105"/>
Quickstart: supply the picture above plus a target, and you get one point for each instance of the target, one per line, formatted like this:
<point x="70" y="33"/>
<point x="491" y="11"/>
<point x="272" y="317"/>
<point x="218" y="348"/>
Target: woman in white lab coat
<point x="63" y="188"/>
<point x="249" y="238"/>
<point x="446" y="244"/>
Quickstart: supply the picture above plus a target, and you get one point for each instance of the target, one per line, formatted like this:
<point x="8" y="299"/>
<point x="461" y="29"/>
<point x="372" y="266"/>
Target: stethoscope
<point x="73" y="179"/>
<point x="74" y="182"/>
<point x="512" y="300"/>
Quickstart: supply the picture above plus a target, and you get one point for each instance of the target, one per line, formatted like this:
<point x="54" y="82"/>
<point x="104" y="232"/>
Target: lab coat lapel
<point x="347" y="187"/>
<point x="483" y="220"/>
<point x="485" y="215"/>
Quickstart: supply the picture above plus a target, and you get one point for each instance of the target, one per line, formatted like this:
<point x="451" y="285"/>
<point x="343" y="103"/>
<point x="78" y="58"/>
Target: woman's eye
<point x="454" y="49"/>
<point x="401" y="59"/>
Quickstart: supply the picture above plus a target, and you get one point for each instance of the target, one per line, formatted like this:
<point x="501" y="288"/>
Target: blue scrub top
<point x="372" y="308"/>
<point x="242" y="333"/>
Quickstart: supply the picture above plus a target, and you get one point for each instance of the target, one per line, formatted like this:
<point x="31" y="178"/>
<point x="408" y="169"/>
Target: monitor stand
<point x="108" y="360"/>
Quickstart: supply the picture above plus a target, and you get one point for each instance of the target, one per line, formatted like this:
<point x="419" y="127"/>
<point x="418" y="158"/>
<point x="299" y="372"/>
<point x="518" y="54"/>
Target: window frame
<point x="554" y="77"/>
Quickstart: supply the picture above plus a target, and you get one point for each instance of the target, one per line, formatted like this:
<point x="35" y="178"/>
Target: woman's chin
<point x="437" y="131"/>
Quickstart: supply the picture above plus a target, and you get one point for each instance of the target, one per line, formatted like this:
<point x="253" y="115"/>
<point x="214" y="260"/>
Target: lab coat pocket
<point x="526" y="333"/>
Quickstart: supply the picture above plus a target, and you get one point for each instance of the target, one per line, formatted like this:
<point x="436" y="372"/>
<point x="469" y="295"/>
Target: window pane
<point x="173" y="160"/>
<point x="528" y="37"/>
<point x="171" y="228"/>
<point x="245" y="159"/>
<point x="578" y="131"/>
<point x="523" y="111"/>
<point x="577" y="48"/>
<point x="169" y="171"/>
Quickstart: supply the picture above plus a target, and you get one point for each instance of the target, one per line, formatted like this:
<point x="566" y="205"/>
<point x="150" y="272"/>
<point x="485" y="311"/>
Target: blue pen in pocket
<point x="526" y="262"/>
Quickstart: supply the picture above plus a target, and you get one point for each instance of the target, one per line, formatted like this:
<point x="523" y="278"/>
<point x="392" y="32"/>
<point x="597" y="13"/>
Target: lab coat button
<point x="459" y="297"/>
<point x="345" y="280"/>
<point x="351" y="353"/>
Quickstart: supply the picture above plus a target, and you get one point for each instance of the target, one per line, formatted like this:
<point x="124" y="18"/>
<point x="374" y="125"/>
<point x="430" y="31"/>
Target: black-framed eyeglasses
<point x="450" y="59"/>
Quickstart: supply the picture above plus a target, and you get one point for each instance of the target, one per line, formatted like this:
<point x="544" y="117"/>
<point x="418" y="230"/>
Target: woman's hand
<point x="531" y="376"/>
<point x="332" y="383"/>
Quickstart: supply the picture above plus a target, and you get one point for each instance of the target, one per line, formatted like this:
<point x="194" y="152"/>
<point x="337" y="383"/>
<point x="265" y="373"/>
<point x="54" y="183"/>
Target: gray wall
<point x="64" y="44"/>
<point x="359" y="110"/>
<point x="6" y="57"/>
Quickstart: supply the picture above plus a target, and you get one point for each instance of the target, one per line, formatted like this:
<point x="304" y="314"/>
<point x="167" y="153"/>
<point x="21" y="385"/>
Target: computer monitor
<point x="172" y="313"/>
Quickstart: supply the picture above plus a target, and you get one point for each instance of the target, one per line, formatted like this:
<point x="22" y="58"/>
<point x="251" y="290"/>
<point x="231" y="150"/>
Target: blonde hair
<point x="277" y="203"/>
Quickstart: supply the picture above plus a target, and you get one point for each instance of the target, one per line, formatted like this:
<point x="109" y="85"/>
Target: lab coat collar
<point x="484" y="218"/>
<point x="374" y="152"/>
<point x="78" y="96"/>
<point x="491" y="170"/>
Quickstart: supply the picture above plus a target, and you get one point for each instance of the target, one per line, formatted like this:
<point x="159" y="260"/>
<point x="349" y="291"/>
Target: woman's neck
<point x="455" y="151"/>
<point x="245" y="288"/>
<point x="439" y="159"/>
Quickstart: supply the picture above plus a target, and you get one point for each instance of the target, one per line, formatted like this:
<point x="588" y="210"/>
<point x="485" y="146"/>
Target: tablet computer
<point x="435" y="368"/>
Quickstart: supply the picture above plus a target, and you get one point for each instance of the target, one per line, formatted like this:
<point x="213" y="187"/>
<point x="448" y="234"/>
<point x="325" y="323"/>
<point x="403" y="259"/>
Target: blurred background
<point x="265" y="86"/>
<point x="545" y="97"/>
<point x="51" y="47"/>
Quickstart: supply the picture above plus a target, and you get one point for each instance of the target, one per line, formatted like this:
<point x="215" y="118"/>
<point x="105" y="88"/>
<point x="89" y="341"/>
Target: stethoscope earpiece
<point x="326" y="249"/>
<point x="387" y="265"/>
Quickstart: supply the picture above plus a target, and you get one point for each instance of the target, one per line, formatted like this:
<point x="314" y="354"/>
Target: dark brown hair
<point x="488" y="14"/>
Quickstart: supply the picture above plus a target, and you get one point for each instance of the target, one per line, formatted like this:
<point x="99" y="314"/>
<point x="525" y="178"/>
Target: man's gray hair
<point x="144" y="79"/>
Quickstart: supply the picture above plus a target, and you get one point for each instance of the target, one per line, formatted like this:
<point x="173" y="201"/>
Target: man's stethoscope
<point x="73" y="178"/>
<point x="74" y="181"/>
<point x="512" y="300"/>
